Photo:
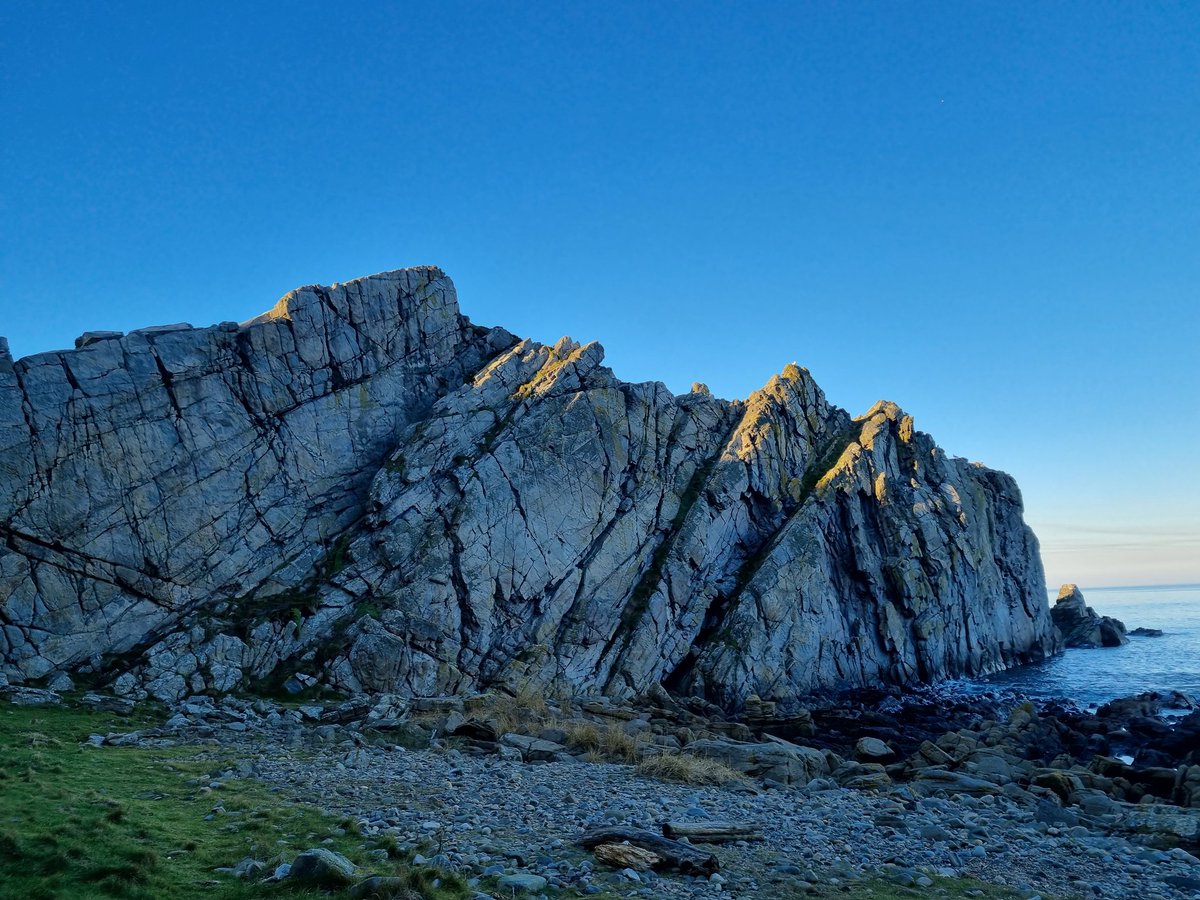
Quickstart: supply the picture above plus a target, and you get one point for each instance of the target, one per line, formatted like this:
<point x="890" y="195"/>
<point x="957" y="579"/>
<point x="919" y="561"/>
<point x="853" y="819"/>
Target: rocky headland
<point x="362" y="487"/>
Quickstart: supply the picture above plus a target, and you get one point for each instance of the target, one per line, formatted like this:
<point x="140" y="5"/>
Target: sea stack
<point x="1080" y="626"/>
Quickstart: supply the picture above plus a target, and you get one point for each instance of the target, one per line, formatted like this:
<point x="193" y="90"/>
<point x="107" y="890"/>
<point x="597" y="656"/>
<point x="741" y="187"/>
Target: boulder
<point x="322" y="867"/>
<point x="60" y="682"/>
<point x="777" y="760"/>
<point x="104" y="703"/>
<point x="534" y="749"/>
<point x="933" y="781"/>
<point x="383" y="886"/>
<point x="869" y="749"/>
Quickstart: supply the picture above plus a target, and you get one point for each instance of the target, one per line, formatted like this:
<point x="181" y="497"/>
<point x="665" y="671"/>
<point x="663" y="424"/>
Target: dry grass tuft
<point x="516" y="712"/>
<point x="582" y="736"/>
<point x="609" y="742"/>
<point x="617" y="743"/>
<point x="688" y="769"/>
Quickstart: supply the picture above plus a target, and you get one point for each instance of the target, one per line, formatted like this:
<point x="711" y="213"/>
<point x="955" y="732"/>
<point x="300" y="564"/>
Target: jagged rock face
<point x="363" y="485"/>
<point x="147" y="475"/>
<point x="1080" y="626"/>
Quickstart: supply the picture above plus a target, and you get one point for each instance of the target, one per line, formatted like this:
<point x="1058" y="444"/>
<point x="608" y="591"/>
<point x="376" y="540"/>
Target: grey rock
<point x="522" y="882"/>
<point x="323" y="867"/>
<point x="23" y="696"/>
<point x="871" y="749"/>
<point x="60" y="682"/>
<point x="148" y="474"/>
<point x="936" y="781"/>
<point x="533" y="749"/>
<point x="91" y="337"/>
<point x="248" y="868"/>
<point x="381" y="886"/>
<point x="120" y="705"/>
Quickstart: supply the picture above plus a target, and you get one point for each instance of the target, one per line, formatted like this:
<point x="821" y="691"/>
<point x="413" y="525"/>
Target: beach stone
<point x="523" y="882"/>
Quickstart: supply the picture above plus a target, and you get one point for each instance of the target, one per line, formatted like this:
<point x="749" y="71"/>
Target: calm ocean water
<point x="1170" y="662"/>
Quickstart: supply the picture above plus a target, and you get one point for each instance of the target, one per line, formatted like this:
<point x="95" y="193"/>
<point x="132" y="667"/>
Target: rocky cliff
<point x="362" y="487"/>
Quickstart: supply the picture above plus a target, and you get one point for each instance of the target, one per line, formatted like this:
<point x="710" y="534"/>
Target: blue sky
<point x="989" y="213"/>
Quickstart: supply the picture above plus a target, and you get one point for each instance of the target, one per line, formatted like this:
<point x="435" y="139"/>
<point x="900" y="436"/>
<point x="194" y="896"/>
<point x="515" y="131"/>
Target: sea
<point x="1093" y="677"/>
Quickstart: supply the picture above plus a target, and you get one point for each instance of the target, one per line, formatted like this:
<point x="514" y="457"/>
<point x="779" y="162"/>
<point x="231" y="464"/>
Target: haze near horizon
<point x="990" y="216"/>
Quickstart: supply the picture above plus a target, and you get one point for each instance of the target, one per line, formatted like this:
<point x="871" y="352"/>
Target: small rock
<point x="248" y="868"/>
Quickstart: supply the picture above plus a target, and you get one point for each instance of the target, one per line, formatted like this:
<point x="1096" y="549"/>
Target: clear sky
<point x="987" y="212"/>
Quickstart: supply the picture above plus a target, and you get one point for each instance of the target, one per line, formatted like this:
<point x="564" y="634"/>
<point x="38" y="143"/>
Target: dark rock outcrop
<point x="1080" y="626"/>
<point x="363" y="486"/>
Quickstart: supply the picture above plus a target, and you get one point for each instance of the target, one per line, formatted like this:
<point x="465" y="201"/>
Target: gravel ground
<point x="487" y="815"/>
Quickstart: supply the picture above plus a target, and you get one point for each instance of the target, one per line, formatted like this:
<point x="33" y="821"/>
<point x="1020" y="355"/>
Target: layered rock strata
<point x="364" y="487"/>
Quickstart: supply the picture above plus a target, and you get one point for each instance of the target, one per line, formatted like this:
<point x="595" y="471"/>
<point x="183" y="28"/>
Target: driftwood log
<point x="712" y="832"/>
<point x="626" y="856"/>
<point x="672" y="854"/>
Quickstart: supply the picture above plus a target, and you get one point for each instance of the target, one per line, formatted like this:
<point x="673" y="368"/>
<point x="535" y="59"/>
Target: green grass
<point x="95" y="822"/>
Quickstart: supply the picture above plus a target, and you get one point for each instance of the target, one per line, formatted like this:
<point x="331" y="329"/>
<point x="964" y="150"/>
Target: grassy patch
<point x="78" y="821"/>
<point x="688" y="769"/>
